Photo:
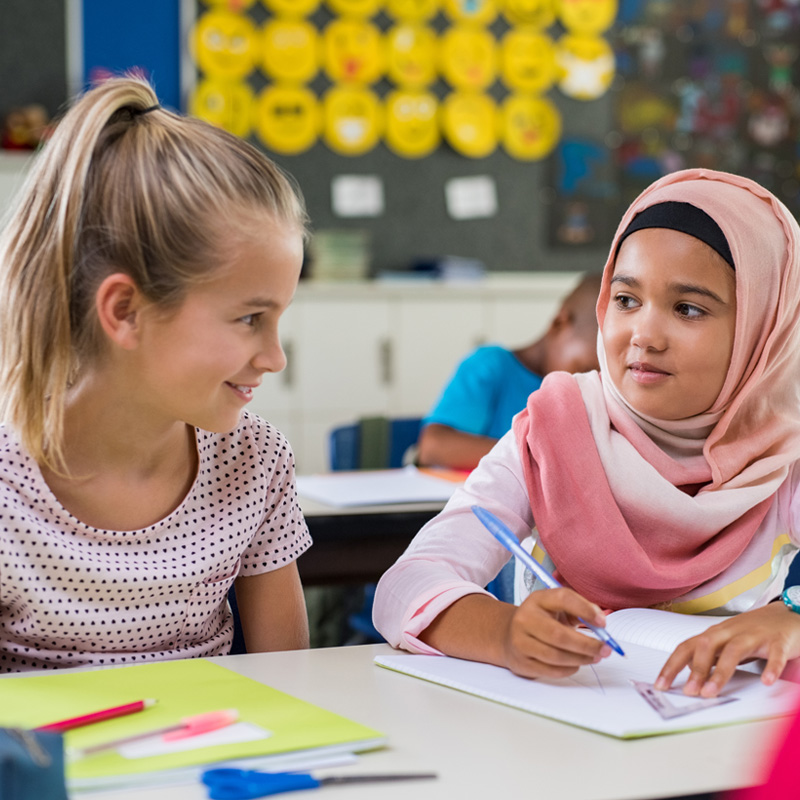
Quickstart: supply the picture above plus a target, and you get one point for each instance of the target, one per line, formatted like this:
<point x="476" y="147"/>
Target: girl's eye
<point x="250" y="320"/>
<point x="624" y="301"/>
<point x="689" y="311"/>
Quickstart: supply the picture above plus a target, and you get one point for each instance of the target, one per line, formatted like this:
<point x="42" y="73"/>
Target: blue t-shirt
<point x="488" y="388"/>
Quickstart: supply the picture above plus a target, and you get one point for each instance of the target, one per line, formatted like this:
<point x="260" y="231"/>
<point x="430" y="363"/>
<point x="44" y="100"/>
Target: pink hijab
<point x="615" y="494"/>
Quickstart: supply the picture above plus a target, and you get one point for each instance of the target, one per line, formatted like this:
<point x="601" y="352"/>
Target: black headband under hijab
<point x="683" y="217"/>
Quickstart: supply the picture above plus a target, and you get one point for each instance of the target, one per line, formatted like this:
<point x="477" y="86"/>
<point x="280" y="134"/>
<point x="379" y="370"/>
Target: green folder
<point x="182" y="689"/>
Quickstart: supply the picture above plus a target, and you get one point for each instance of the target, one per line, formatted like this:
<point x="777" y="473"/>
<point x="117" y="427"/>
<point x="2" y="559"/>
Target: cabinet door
<point x="430" y="337"/>
<point x="341" y="357"/>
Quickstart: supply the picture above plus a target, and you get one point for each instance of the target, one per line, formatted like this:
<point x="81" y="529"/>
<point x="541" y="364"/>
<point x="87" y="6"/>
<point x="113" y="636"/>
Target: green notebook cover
<point x="182" y="689"/>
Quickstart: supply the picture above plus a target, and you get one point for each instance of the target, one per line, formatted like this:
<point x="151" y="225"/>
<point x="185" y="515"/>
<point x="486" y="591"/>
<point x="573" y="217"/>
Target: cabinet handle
<point x="386" y="361"/>
<point x="288" y="370"/>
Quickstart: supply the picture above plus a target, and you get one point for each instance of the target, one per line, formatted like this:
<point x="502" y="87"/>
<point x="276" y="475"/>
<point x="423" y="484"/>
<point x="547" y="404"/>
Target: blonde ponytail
<point x="120" y="186"/>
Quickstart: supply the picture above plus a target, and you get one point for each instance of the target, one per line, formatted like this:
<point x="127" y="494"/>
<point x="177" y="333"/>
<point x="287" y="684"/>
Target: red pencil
<point x="96" y="716"/>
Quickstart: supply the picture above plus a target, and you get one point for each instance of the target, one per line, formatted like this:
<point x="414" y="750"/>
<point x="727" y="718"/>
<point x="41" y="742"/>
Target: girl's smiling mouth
<point x="645" y="373"/>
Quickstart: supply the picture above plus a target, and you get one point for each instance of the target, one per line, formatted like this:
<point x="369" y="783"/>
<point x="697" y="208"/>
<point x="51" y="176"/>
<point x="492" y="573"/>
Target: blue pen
<point x="500" y="531"/>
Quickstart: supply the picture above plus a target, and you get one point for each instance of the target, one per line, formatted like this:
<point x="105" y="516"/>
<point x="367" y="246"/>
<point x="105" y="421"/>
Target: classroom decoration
<point x="288" y="118"/>
<point x="411" y="56"/>
<point x="412" y="123"/>
<point x="414" y="74"/>
<point x="353" y="119"/>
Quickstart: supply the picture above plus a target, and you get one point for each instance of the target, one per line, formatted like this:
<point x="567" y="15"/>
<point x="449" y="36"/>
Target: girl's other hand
<point x="771" y="633"/>
<point x="541" y="640"/>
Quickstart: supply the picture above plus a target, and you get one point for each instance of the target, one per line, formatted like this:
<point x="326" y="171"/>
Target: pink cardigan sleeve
<point x="453" y="555"/>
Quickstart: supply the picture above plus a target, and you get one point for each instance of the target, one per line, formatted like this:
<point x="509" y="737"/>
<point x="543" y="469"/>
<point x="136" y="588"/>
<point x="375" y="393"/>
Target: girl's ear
<point x="119" y="305"/>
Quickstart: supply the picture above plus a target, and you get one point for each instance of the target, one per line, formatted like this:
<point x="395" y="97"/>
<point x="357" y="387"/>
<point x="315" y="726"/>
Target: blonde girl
<point x="670" y="478"/>
<point x="143" y="272"/>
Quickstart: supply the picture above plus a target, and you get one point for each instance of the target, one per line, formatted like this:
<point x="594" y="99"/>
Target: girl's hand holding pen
<point x="771" y="633"/>
<point x="541" y="640"/>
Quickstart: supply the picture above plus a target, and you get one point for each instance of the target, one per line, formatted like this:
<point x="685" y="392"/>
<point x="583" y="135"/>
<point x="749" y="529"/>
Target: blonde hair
<point x="122" y="186"/>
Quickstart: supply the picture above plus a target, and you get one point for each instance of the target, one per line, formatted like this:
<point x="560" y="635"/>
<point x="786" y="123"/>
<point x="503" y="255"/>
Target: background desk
<point x="482" y="750"/>
<point x="358" y="544"/>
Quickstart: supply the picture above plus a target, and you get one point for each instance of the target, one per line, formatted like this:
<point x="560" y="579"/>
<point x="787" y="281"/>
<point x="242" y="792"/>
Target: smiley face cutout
<point x="411" y="55"/>
<point x="225" y="45"/>
<point x="413" y="10"/>
<point x="476" y="11"/>
<point x="226" y="104"/>
<point x="469" y="120"/>
<point x="290" y="50"/>
<point x="355" y="8"/>
<point x="352" y="51"/>
<point x="352" y="120"/>
<point x="536" y="13"/>
<point x="586" y="66"/>
<point x="292" y="8"/>
<point x="528" y="60"/>
<point x="288" y="118"/>
<point x="530" y="126"/>
<point x="412" y="123"/>
<point x="468" y="58"/>
<point x="586" y="17"/>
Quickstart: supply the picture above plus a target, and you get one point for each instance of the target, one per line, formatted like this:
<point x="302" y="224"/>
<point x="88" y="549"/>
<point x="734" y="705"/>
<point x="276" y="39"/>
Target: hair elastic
<point x="683" y="217"/>
<point x="138" y="112"/>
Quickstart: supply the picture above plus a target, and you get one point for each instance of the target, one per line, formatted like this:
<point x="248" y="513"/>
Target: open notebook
<point x="615" y="697"/>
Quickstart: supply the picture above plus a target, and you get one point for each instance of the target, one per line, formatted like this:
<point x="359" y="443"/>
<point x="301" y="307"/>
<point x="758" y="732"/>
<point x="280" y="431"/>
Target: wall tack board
<point x="414" y="219"/>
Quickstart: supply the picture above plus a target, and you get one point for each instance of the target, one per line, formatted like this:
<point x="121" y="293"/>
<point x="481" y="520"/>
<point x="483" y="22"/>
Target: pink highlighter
<point x="189" y="726"/>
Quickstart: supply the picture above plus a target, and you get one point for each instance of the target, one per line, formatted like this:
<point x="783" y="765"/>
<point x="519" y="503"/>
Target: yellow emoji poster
<point x="231" y="5"/>
<point x="352" y="51"/>
<point x="468" y="57"/>
<point x="352" y="120"/>
<point x="292" y="8"/>
<point x="226" y="104"/>
<point x="225" y="45"/>
<point x="528" y="60"/>
<point x="586" y="17"/>
<point x="287" y="118"/>
<point x="469" y="121"/>
<point x="412" y="123"/>
<point x="413" y="10"/>
<point x="530" y="126"/>
<point x="411" y="55"/>
<point x="355" y="8"/>
<point x="536" y="13"/>
<point x="476" y="11"/>
<point x="586" y="66"/>
<point x="290" y="50"/>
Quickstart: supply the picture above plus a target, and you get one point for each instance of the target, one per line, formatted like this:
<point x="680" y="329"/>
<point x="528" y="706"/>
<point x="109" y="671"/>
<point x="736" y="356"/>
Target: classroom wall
<point x="415" y="224"/>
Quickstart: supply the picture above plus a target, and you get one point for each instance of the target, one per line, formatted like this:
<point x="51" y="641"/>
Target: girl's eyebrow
<point x="678" y="288"/>
<point x="259" y="302"/>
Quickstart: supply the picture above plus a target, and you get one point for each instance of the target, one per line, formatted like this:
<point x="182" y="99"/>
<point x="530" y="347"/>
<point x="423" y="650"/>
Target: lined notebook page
<point x="661" y="630"/>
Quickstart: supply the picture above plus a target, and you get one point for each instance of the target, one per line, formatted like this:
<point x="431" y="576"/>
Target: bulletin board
<point x="711" y="84"/>
<point x="501" y="117"/>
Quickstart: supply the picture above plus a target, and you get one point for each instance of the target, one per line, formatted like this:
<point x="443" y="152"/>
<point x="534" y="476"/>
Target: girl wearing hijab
<point x="668" y="479"/>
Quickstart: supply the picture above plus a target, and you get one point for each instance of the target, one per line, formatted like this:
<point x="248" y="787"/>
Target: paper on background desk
<point x="377" y="487"/>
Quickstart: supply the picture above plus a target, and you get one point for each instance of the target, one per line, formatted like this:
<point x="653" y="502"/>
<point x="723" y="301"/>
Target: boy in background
<point x="492" y="384"/>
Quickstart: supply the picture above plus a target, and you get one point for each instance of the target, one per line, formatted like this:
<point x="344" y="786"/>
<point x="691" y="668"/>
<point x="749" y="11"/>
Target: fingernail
<point x="605" y="651"/>
<point x="660" y="684"/>
<point x="709" y="689"/>
<point x="692" y="687"/>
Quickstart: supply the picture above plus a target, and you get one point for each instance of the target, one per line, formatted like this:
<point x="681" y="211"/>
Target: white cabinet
<point x="368" y="349"/>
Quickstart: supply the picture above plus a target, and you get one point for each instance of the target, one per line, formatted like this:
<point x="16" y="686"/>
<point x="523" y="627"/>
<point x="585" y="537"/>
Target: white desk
<point x="482" y="750"/>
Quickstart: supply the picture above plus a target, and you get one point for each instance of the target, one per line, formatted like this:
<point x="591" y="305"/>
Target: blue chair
<point x="238" y="645"/>
<point x="371" y="443"/>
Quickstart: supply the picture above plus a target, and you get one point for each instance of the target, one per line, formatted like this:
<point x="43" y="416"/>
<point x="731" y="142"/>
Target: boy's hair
<point x="122" y="186"/>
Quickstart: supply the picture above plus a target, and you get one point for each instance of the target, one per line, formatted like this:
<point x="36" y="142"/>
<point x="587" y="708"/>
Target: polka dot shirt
<point x="73" y="595"/>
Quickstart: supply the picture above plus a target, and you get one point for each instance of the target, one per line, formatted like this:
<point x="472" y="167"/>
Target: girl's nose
<point x="270" y="356"/>
<point x="649" y="331"/>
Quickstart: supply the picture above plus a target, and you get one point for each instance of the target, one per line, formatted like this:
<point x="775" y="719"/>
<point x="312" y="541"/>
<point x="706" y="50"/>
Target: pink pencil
<point x="96" y="716"/>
